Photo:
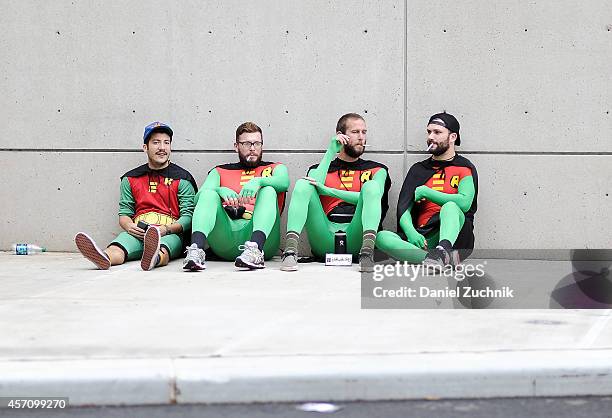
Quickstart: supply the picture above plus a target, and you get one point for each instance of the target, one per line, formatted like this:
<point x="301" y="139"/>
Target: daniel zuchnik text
<point x="425" y="292"/>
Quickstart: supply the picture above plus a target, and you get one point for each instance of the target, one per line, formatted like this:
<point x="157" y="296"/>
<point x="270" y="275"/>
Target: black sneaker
<point x="440" y="258"/>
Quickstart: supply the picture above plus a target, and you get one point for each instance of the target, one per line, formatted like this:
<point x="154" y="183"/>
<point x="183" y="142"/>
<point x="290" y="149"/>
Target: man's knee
<point x="266" y="191"/>
<point x="302" y="189"/>
<point x="383" y="237"/>
<point x="449" y="208"/>
<point x="302" y="185"/>
<point x="208" y="195"/>
<point x="371" y="190"/>
<point x="266" y="196"/>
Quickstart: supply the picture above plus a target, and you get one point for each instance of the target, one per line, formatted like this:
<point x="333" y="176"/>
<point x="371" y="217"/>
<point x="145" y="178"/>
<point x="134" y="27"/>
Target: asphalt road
<point x="592" y="407"/>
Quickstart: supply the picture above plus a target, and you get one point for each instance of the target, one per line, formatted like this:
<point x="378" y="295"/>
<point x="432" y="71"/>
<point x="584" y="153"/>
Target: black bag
<point x="343" y="213"/>
<point x="235" y="212"/>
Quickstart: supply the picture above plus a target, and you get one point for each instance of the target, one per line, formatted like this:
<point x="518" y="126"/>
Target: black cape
<point x="418" y="175"/>
<point x="240" y="166"/>
<point x="173" y="171"/>
<point x="338" y="164"/>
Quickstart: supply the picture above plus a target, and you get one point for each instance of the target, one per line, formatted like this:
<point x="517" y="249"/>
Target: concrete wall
<point x="529" y="82"/>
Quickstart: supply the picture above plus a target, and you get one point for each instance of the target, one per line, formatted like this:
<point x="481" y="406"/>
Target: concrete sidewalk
<point x="126" y="336"/>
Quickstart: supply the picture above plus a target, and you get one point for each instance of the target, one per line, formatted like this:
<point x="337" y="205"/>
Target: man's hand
<point x="417" y="239"/>
<point x="165" y="230"/>
<point x="420" y="193"/>
<point x="250" y="189"/>
<point x="321" y="188"/>
<point x="338" y="141"/>
<point x="229" y="196"/>
<point x="134" y="231"/>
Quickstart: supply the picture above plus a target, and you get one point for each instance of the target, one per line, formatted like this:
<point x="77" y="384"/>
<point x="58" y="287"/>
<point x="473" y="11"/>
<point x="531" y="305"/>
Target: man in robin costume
<point x="155" y="208"/>
<point x="341" y="193"/>
<point x="437" y="203"/>
<point x="238" y="208"/>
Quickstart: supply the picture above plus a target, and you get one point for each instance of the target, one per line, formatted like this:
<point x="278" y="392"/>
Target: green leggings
<point x="451" y="222"/>
<point x="306" y="210"/>
<point x="225" y="235"/>
<point x="133" y="246"/>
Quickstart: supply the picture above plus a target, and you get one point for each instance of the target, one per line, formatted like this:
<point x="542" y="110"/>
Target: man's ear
<point x="236" y="146"/>
<point x="452" y="137"/>
<point x="145" y="147"/>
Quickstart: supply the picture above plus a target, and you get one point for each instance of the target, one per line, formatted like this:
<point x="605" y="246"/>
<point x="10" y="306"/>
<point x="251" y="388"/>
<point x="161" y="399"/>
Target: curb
<point x="340" y="378"/>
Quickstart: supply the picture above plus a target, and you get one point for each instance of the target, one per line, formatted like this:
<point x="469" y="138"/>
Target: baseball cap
<point x="151" y="128"/>
<point x="448" y="121"/>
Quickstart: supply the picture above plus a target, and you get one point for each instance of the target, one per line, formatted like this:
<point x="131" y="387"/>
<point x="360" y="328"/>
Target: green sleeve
<point x="279" y="179"/>
<point x="406" y="223"/>
<point x="353" y="197"/>
<point x="127" y="204"/>
<point x="381" y="178"/>
<point x="212" y="182"/>
<point x="186" y="199"/>
<point x="463" y="198"/>
<point x="320" y="172"/>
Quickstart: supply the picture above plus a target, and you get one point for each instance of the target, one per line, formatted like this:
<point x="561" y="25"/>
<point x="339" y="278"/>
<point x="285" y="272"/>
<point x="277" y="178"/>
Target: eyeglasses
<point x="249" y="144"/>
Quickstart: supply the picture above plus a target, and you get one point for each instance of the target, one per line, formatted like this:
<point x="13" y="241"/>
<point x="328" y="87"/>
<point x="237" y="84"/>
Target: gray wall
<point x="529" y="82"/>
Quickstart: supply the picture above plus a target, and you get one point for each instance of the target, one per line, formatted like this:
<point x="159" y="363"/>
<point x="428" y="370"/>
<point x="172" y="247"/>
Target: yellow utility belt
<point x="155" y="218"/>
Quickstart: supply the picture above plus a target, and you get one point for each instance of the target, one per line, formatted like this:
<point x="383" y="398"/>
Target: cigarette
<point x="430" y="145"/>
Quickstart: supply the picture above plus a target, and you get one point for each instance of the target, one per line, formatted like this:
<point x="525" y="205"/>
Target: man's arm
<point x="335" y="145"/>
<point x="279" y="180"/>
<point x="463" y="198"/>
<point x="127" y="206"/>
<point x="350" y="197"/>
<point x="213" y="182"/>
<point x="413" y="236"/>
<point x="186" y="198"/>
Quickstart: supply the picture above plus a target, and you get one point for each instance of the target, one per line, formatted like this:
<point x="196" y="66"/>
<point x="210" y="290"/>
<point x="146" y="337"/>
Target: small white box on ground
<point x="332" y="259"/>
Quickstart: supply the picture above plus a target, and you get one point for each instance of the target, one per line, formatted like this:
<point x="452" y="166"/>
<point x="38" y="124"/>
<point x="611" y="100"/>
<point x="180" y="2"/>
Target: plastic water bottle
<point x="25" y="249"/>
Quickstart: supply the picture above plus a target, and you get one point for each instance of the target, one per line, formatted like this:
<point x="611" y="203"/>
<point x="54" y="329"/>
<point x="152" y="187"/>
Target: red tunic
<point x="234" y="176"/>
<point x="343" y="179"/>
<point x="445" y="181"/>
<point x="154" y="193"/>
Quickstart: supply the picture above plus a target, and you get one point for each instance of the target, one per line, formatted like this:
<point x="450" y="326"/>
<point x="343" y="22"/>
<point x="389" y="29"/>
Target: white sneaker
<point x="251" y="257"/>
<point x="195" y="259"/>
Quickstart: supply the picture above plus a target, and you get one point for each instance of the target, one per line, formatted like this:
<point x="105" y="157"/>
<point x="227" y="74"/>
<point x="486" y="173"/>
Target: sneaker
<point x="91" y="251"/>
<point x="251" y="257"/>
<point x="435" y="258"/>
<point x="150" y="253"/>
<point x="454" y="258"/>
<point x="195" y="260"/>
<point x="289" y="261"/>
<point x="440" y="258"/>
<point x="366" y="261"/>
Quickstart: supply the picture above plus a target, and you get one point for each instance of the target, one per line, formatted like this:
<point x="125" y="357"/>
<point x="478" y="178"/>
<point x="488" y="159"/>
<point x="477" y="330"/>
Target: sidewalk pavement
<point x="130" y="337"/>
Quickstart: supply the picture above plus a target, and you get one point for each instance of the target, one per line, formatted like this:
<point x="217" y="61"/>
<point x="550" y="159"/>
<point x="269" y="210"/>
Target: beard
<point x="441" y="148"/>
<point x="352" y="151"/>
<point x="252" y="163"/>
